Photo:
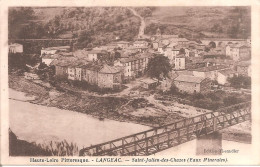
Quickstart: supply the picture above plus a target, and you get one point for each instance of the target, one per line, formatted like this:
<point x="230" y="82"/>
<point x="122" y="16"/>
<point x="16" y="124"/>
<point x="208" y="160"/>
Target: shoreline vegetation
<point x="19" y="147"/>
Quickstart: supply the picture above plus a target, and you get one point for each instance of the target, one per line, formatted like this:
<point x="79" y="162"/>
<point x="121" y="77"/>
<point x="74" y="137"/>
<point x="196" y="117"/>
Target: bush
<point x="23" y="148"/>
<point x="231" y="100"/>
<point x="173" y="90"/>
<point x="240" y="82"/>
<point x="203" y="103"/>
<point x="62" y="148"/>
<point x="198" y="96"/>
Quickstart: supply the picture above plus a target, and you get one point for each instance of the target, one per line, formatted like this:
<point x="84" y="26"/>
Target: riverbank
<point x="238" y="133"/>
<point x="143" y="111"/>
<point x="120" y="108"/>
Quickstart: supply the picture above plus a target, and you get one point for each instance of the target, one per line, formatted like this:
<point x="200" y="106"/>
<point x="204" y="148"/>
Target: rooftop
<point x="140" y="42"/>
<point x="183" y="40"/>
<point x="136" y="57"/>
<point x="189" y="78"/>
<point x="57" y="48"/>
<point x="227" y="72"/>
<point x="223" y="39"/>
<point x="169" y="36"/>
<point x="244" y="63"/>
<point x="122" y="42"/>
<point x="15" y="44"/>
<point x="109" y="69"/>
<point x="50" y="56"/>
<point x="148" y="80"/>
<point x="220" y="61"/>
<point x="180" y="56"/>
<point x="210" y="68"/>
<point x="96" y="52"/>
<point x="238" y="45"/>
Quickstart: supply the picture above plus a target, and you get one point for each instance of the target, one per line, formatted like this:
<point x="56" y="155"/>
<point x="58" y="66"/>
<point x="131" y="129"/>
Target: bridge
<point x="224" y="41"/>
<point x="44" y="39"/>
<point x="173" y="134"/>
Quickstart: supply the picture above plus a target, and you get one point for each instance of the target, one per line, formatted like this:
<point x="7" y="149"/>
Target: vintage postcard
<point x="130" y="83"/>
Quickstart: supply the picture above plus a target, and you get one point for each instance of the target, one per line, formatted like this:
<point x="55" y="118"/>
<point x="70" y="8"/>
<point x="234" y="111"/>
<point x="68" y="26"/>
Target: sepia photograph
<point x="135" y="82"/>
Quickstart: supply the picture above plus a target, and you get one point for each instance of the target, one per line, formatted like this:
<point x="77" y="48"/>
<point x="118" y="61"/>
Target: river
<point x="40" y="124"/>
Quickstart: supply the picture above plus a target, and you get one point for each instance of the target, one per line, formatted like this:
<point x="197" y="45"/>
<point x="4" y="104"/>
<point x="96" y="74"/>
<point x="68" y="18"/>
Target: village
<point x="121" y="62"/>
<point x="199" y="71"/>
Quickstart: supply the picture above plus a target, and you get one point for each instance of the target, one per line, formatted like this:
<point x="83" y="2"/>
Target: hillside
<point x="92" y="26"/>
<point x="234" y="22"/>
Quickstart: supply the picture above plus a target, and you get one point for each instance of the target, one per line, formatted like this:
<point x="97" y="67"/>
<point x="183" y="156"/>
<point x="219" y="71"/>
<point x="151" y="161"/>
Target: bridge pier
<point x="209" y="144"/>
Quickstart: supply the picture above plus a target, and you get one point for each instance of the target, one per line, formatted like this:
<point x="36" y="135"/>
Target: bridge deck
<point x="163" y="137"/>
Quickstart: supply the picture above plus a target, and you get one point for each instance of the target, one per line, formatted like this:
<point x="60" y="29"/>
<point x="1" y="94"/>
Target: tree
<point x="240" y="82"/>
<point x="158" y="66"/>
<point x="119" y="18"/>
<point x="182" y="51"/>
<point x="231" y="100"/>
<point x="117" y="55"/>
<point x="207" y="49"/>
<point x="212" y="44"/>
<point x="174" y="89"/>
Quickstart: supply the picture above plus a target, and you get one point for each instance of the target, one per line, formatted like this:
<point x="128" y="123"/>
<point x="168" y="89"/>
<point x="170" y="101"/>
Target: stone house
<point x="94" y="55"/>
<point x="155" y="45"/>
<point x="149" y="83"/>
<point x="244" y="68"/>
<point x="223" y="76"/>
<point x="175" y="51"/>
<point x="49" y="58"/>
<point x="183" y="41"/>
<point x="200" y="47"/>
<point x="187" y="52"/>
<point x="238" y="52"/>
<point x="53" y="50"/>
<point x="96" y="74"/>
<point x="78" y="73"/>
<point x="61" y="68"/>
<point x="71" y="72"/>
<point x="133" y="66"/>
<point x="161" y="48"/>
<point x="15" y="48"/>
<point x="123" y="44"/>
<point x="109" y="77"/>
<point x="180" y="62"/>
<point x="210" y="72"/>
<point x="31" y="76"/>
<point x="214" y="62"/>
<point x="140" y="43"/>
<point x="90" y="73"/>
<point x="192" y="84"/>
<point x="140" y="49"/>
<point x="75" y="70"/>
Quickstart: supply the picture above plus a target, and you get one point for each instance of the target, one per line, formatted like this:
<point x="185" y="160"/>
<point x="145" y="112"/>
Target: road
<point x="142" y="26"/>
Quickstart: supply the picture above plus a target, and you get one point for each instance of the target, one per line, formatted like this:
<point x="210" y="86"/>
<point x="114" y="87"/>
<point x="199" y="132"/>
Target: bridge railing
<point x="163" y="137"/>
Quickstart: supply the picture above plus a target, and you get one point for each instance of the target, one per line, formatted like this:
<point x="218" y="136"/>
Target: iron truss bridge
<point x="167" y="136"/>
